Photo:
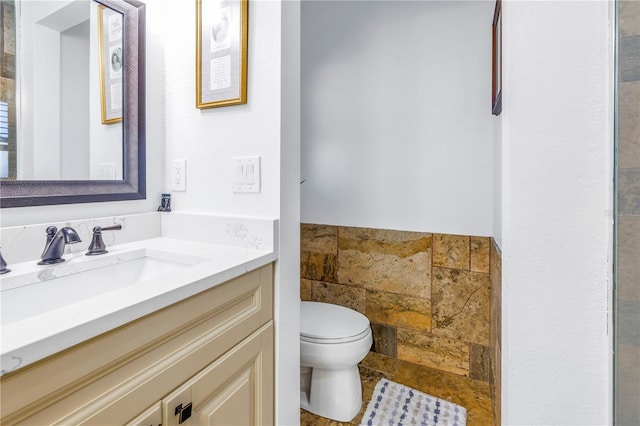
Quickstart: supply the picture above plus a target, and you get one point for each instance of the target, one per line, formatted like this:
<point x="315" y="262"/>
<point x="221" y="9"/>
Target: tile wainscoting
<point x="432" y="299"/>
<point x="495" y="332"/>
<point x="627" y="268"/>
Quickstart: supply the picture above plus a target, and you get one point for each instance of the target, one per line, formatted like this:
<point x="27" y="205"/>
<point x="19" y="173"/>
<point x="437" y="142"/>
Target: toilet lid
<point x="324" y="321"/>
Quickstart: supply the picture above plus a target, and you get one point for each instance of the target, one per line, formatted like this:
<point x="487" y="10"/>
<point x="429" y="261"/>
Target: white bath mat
<point x="394" y="404"/>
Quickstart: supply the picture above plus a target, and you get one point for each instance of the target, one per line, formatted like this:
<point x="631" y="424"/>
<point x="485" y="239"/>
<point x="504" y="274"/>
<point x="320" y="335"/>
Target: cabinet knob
<point x="183" y="412"/>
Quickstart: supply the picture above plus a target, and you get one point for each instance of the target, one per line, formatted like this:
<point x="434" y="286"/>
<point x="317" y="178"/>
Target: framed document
<point x="111" y="64"/>
<point x="221" y="52"/>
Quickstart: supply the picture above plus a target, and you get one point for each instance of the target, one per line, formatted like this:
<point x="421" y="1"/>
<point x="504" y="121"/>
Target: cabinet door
<point x="237" y="389"/>
<point x="151" y="417"/>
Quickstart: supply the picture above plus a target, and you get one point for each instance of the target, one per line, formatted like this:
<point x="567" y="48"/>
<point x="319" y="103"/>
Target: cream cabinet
<point x="234" y="390"/>
<point x="208" y="359"/>
<point x="151" y="417"/>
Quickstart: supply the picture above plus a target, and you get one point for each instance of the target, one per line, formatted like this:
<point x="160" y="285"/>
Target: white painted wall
<point x="74" y="102"/>
<point x="268" y="126"/>
<point x="45" y="104"/>
<point x="288" y="272"/>
<point x="42" y="25"/>
<point x="396" y="115"/>
<point x="497" y="180"/>
<point x="209" y="138"/>
<point x="557" y="162"/>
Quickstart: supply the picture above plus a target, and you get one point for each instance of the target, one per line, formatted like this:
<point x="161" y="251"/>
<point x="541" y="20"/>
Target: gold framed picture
<point x="111" y="63"/>
<point x="221" y="52"/>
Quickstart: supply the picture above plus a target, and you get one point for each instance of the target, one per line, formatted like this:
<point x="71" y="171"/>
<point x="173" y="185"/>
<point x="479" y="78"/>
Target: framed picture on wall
<point x="221" y="52"/>
<point x="496" y="87"/>
<point x="111" y="64"/>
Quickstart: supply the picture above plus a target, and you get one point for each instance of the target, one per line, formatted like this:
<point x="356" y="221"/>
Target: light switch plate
<point x="246" y="174"/>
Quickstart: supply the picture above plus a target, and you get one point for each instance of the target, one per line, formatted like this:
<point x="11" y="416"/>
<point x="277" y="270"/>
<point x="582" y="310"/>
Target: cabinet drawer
<point x="154" y="354"/>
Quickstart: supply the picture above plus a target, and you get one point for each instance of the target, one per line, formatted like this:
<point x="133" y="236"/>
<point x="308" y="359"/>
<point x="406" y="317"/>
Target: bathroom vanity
<point x="213" y="350"/>
<point x="194" y="346"/>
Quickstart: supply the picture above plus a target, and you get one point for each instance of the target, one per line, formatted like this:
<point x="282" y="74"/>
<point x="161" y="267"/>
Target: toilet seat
<point x="325" y="323"/>
<point x="326" y="341"/>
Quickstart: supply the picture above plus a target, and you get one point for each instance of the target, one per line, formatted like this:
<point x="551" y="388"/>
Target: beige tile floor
<point x="472" y="394"/>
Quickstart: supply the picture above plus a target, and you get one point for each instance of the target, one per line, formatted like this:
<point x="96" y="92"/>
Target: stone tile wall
<point x="427" y="295"/>
<point x="495" y="331"/>
<point x="627" y="269"/>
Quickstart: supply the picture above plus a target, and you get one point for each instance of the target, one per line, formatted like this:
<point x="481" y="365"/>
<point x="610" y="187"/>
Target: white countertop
<point x="38" y="336"/>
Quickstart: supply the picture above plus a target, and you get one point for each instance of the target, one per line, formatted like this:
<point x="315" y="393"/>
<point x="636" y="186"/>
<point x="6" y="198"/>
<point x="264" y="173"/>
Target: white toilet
<point x="333" y="340"/>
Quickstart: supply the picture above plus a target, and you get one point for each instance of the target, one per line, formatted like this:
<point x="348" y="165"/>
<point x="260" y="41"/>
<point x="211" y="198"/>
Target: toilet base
<point x="334" y="394"/>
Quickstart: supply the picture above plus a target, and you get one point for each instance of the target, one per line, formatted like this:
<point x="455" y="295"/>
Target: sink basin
<point x="36" y="292"/>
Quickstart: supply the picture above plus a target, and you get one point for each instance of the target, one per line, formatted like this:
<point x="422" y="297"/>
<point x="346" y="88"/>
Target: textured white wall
<point x="396" y="115"/>
<point x="74" y="102"/>
<point x="45" y="104"/>
<point x="288" y="272"/>
<point x="497" y="180"/>
<point x="268" y="125"/>
<point x="209" y="138"/>
<point x="556" y="217"/>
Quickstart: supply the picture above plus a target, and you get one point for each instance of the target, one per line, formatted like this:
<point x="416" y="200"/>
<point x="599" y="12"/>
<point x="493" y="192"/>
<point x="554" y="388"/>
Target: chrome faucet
<point x="56" y="242"/>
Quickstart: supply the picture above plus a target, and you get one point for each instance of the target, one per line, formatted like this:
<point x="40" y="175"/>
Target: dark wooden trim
<point x="496" y="60"/>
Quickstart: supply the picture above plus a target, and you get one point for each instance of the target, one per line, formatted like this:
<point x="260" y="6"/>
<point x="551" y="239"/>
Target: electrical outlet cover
<point x="179" y="175"/>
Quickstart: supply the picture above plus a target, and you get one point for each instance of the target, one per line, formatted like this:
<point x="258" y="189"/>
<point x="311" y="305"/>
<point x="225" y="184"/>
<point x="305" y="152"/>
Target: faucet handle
<point x="51" y="232"/>
<point x="109" y="228"/>
<point x="3" y="265"/>
<point x="97" y="245"/>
